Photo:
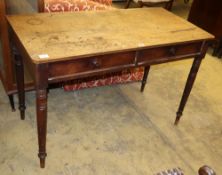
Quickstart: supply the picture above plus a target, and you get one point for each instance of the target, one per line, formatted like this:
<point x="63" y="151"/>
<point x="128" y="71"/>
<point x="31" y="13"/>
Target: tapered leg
<point x="11" y="100"/>
<point x="20" y="84"/>
<point x="188" y="87"/>
<point x="190" y="80"/>
<point x="41" y="84"/>
<point x="41" y="101"/>
<point x="145" y="75"/>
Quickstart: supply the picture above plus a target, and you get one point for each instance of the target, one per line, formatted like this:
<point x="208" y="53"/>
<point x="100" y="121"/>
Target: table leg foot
<point x="11" y="100"/>
<point x="22" y="112"/>
<point x="179" y="114"/>
<point x="190" y="81"/>
<point x="42" y="157"/>
<point x="188" y="87"/>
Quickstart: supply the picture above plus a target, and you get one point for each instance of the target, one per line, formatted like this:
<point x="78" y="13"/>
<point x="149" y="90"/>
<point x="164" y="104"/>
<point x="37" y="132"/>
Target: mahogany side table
<point x="59" y="47"/>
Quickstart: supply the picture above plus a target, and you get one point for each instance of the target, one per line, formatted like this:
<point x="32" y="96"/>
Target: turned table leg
<point x="41" y="84"/>
<point x="145" y="75"/>
<point x="11" y="100"/>
<point x="20" y="84"/>
<point x="41" y="101"/>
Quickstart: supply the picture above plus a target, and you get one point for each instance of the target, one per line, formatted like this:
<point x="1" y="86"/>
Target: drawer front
<point x="167" y="53"/>
<point x="92" y="64"/>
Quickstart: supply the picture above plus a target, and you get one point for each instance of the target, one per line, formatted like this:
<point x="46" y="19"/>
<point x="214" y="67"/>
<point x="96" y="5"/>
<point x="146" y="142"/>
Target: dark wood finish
<point x="218" y="49"/>
<point x="20" y="83"/>
<point x="42" y="79"/>
<point x="207" y="14"/>
<point x="96" y="63"/>
<point x="6" y="72"/>
<point x="102" y="62"/>
<point x="190" y="81"/>
<point x="40" y="5"/>
<point x="144" y="80"/>
<point x="169" y="53"/>
<point x="169" y="5"/>
<point x="41" y="85"/>
<point x="11" y="100"/>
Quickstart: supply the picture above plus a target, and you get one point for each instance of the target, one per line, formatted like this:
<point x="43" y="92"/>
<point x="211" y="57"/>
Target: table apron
<point x="95" y="65"/>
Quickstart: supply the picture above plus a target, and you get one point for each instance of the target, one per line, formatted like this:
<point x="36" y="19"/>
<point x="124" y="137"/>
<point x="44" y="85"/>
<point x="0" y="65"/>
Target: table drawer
<point x="92" y="64"/>
<point x="164" y="54"/>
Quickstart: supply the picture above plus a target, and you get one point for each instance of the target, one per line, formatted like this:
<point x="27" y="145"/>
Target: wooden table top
<point x="60" y="36"/>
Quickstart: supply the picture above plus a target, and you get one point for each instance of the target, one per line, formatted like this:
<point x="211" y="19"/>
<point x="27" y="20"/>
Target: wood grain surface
<point x="63" y="36"/>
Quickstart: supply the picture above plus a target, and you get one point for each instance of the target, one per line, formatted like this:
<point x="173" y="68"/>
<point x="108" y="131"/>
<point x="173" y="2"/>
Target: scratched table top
<point x="60" y="36"/>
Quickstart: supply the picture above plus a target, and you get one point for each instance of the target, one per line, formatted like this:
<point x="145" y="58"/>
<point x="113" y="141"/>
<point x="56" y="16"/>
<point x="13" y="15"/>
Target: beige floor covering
<point x="117" y="130"/>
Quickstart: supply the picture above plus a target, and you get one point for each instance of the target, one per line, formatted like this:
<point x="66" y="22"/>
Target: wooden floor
<point x="117" y="130"/>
